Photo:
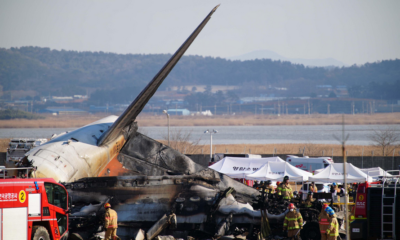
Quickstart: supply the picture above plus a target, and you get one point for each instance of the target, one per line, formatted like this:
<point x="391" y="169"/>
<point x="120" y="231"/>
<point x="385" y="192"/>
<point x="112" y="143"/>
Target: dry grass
<point x="52" y="121"/>
<point x="4" y="144"/>
<point x="237" y="120"/>
<point x="310" y="149"/>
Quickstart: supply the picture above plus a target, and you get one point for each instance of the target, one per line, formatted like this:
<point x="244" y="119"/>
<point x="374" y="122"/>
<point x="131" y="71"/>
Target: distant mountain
<point x="267" y="54"/>
<point x="118" y="78"/>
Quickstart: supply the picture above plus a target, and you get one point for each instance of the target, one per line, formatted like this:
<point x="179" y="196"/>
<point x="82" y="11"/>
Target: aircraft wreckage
<point x="150" y="185"/>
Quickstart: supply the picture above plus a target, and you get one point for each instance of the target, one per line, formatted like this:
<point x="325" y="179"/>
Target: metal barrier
<point x="3" y="170"/>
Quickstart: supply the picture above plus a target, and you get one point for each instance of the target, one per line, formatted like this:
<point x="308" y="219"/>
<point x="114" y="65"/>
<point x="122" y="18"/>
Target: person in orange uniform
<point x="333" y="228"/>
<point x="323" y="220"/>
<point x="293" y="222"/>
<point x="111" y="222"/>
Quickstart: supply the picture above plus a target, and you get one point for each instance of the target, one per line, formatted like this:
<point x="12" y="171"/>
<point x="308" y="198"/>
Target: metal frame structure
<point x="390" y="208"/>
<point x="21" y="168"/>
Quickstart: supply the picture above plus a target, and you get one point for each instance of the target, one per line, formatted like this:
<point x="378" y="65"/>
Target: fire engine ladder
<point x="389" y="208"/>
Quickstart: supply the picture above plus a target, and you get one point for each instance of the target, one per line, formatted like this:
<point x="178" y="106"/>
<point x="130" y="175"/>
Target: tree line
<point x="120" y="77"/>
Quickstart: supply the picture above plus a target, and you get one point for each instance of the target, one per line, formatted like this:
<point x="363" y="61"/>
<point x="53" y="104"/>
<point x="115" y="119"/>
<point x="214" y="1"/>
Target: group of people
<point x="293" y="223"/>
<point x="328" y="223"/>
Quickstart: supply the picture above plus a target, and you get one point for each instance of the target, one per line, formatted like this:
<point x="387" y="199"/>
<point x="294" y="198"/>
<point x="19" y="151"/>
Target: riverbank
<point x="147" y="120"/>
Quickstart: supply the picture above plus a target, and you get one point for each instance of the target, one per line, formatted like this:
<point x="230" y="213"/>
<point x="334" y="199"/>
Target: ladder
<point x="388" y="217"/>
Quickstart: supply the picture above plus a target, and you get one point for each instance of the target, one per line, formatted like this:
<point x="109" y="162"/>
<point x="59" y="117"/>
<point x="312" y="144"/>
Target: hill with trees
<point x="120" y="77"/>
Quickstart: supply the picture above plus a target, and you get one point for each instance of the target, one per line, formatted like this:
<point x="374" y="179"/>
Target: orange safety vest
<point x="323" y="220"/>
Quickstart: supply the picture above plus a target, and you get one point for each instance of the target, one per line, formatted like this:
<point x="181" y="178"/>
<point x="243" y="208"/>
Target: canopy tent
<point x="239" y="167"/>
<point x="375" y="172"/>
<point x="334" y="173"/>
<point x="275" y="171"/>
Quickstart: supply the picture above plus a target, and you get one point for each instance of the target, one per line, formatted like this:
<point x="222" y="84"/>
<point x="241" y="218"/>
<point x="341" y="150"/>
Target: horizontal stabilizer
<point x="141" y="100"/>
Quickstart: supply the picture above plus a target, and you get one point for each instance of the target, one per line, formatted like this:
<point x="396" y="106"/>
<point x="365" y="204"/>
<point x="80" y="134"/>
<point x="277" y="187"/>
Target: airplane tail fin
<point x="130" y="114"/>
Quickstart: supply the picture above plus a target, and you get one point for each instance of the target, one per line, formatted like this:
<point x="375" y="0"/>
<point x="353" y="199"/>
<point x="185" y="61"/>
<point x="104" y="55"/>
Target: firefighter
<point x="268" y="187"/>
<point x="313" y="188"/>
<point x="323" y="220"/>
<point x="333" y="228"/>
<point x="255" y="185"/>
<point x="309" y="201"/>
<point x="284" y="189"/>
<point x="111" y="222"/>
<point x="293" y="223"/>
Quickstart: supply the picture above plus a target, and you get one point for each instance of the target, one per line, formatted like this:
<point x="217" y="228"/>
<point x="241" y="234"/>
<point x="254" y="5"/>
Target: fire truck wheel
<point x="40" y="233"/>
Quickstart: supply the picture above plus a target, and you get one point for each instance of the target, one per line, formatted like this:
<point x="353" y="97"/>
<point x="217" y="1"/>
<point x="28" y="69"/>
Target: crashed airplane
<point x="145" y="181"/>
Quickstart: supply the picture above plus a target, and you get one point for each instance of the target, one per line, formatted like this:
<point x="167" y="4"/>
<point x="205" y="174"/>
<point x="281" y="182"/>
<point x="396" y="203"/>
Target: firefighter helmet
<point x="291" y="206"/>
<point x="277" y="183"/>
<point x="268" y="182"/>
<point x="286" y="178"/>
<point x="107" y="205"/>
<point x="325" y="205"/>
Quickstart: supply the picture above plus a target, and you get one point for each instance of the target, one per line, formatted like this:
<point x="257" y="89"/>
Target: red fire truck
<point x="377" y="211"/>
<point x="33" y="209"/>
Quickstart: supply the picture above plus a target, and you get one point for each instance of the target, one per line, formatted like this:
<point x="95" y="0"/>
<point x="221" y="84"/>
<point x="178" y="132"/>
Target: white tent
<point x="334" y="173"/>
<point x="318" y="170"/>
<point x="239" y="167"/>
<point x="375" y="172"/>
<point x="275" y="171"/>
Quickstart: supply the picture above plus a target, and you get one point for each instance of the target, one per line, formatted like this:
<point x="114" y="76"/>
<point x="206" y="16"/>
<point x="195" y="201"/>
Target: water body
<point x="324" y="134"/>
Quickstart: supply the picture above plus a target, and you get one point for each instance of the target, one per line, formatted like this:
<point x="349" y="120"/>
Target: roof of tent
<point x="375" y="172"/>
<point x="334" y="173"/>
<point x="277" y="170"/>
<point x="239" y="167"/>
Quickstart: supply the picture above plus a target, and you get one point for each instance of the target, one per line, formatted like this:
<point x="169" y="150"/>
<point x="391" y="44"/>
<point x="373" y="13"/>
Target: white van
<point x="309" y="164"/>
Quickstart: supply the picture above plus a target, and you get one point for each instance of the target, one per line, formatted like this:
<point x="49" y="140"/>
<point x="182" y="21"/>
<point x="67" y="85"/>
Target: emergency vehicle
<point x="377" y="210"/>
<point x="33" y="209"/>
<point x="309" y="164"/>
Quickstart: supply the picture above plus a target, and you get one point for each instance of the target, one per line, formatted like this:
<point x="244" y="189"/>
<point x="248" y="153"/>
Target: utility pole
<point x="215" y="109"/>
<point x="304" y="109"/>
<point x="279" y="108"/>
<point x="309" y="110"/>
<point x="211" y="132"/>
<point x="363" y="107"/>
<point x="344" y="153"/>
<point x="352" y="107"/>
<point x="262" y="109"/>
<point x="329" y="112"/>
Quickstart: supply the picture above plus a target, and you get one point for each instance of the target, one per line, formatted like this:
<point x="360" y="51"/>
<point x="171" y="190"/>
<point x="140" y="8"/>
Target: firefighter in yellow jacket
<point x="333" y="228"/>
<point x="293" y="222"/>
<point x="309" y="201"/>
<point x="268" y="187"/>
<point x="111" y="222"/>
<point x="284" y="189"/>
<point x="323" y="220"/>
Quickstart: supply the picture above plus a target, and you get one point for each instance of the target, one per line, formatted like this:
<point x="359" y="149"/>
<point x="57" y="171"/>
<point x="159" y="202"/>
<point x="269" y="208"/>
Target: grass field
<point x="145" y="120"/>
<point x="309" y="149"/>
